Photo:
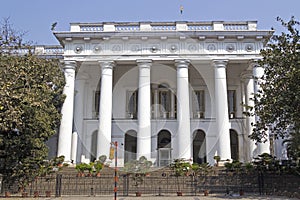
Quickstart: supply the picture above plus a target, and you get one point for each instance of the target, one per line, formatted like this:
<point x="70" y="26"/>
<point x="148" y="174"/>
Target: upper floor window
<point x="96" y="101"/>
<point x="198" y="104"/>
<point x="164" y="102"/>
<point x="231" y="103"/>
<point x="131" y="104"/>
<point x="96" y="104"/>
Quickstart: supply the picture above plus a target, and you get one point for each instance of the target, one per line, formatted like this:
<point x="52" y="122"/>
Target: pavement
<point x="147" y="197"/>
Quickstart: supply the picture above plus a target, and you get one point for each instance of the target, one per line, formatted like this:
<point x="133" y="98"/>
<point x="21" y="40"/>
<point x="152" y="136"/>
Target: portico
<point x="153" y="85"/>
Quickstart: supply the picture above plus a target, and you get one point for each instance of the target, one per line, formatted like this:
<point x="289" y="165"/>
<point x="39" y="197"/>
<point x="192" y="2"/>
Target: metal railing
<point x="71" y="185"/>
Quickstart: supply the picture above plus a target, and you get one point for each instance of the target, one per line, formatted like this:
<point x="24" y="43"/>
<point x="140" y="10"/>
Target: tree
<point x="277" y="104"/>
<point x="30" y="101"/>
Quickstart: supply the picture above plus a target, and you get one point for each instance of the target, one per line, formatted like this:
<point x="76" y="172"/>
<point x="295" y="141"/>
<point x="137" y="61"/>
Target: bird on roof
<point x="53" y="26"/>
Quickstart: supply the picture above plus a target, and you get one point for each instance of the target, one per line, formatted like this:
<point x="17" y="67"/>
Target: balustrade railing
<point x="127" y="28"/>
<point x="163" y="26"/>
<point x="91" y="28"/>
<point x="235" y="27"/>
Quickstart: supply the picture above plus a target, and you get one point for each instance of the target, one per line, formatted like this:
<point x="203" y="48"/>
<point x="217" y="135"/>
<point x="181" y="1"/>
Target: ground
<point x="145" y="197"/>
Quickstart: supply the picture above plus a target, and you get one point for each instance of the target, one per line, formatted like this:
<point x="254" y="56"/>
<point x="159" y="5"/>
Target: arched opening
<point x="164" y="139"/>
<point x="130" y="146"/>
<point x="234" y="145"/>
<point x="94" y="146"/>
<point x="164" y="148"/>
<point x="199" y="147"/>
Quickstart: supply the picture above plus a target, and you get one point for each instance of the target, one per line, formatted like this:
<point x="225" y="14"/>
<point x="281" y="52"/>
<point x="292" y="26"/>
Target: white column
<point x="183" y="110"/>
<point x="258" y="73"/>
<point x="79" y="102"/>
<point x="105" y="109"/>
<point x="66" y="124"/>
<point x="144" y="110"/>
<point x="222" y="118"/>
<point x="74" y="147"/>
<point x="249" y="93"/>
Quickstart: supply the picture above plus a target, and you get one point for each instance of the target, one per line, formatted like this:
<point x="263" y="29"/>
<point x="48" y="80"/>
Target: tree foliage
<point x="30" y="100"/>
<point x="277" y="104"/>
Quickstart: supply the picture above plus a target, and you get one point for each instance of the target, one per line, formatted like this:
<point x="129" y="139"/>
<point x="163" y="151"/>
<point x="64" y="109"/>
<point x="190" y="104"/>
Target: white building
<point x="163" y="90"/>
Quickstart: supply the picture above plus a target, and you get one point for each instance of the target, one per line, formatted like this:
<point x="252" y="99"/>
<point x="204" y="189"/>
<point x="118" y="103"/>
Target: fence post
<point x="1" y="180"/>
<point x="261" y="182"/>
<point x="125" y="184"/>
<point x="58" y="185"/>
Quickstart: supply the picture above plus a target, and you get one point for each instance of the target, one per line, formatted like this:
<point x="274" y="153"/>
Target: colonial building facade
<point x="163" y="90"/>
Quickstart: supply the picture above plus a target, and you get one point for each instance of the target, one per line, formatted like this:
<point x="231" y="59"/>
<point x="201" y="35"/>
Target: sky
<point x="35" y="17"/>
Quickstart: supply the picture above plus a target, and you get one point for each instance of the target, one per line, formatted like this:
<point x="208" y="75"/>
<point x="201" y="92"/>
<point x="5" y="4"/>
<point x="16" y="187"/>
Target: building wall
<point x="207" y="49"/>
<point x="126" y="79"/>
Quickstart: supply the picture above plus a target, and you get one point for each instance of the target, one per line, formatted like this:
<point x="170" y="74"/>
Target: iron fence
<point x="69" y="184"/>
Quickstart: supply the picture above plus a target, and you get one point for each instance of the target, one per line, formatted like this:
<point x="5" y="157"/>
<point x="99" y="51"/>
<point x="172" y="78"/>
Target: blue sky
<point x="36" y="16"/>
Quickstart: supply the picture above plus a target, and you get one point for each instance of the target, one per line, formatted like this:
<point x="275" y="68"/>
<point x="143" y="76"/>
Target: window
<point x="231" y="103"/>
<point x="234" y="145"/>
<point x="96" y="103"/>
<point x="199" y="104"/>
<point x="131" y="105"/>
<point x="164" y="101"/>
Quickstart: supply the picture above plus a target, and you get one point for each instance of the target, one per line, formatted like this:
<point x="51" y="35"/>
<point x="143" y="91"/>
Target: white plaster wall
<point x="126" y="78"/>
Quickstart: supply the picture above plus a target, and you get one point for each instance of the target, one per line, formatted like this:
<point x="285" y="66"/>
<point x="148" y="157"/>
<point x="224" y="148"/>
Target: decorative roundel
<point x="116" y="48"/>
<point x="211" y="47"/>
<point x="230" y="47"/>
<point x="78" y="49"/>
<point x="97" y="48"/>
<point x="249" y="47"/>
<point x="173" y="48"/>
<point x="135" y="47"/>
<point x="192" y="47"/>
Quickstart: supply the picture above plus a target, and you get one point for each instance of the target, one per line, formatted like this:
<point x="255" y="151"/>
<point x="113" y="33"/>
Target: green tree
<point x="277" y="104"/>
<point x="30" y="101"/>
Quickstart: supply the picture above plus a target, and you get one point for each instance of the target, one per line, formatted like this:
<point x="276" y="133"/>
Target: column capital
<point x="106" y="64"/>
<point x="70" y="64"/>
<point x="144" y="62"/>
<point x="248" y="74"/>
<point x="254" y="63"/>
<point x="182" y="63"/>
<point x="221" y="63"/>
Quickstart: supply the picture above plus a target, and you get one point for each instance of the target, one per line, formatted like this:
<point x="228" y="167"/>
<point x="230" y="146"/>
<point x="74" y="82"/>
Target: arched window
<point x="164" y="148"/>
<point x="130" y="146"/>
<point x="164" y="139"/>
<point x="199" y="147"/>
